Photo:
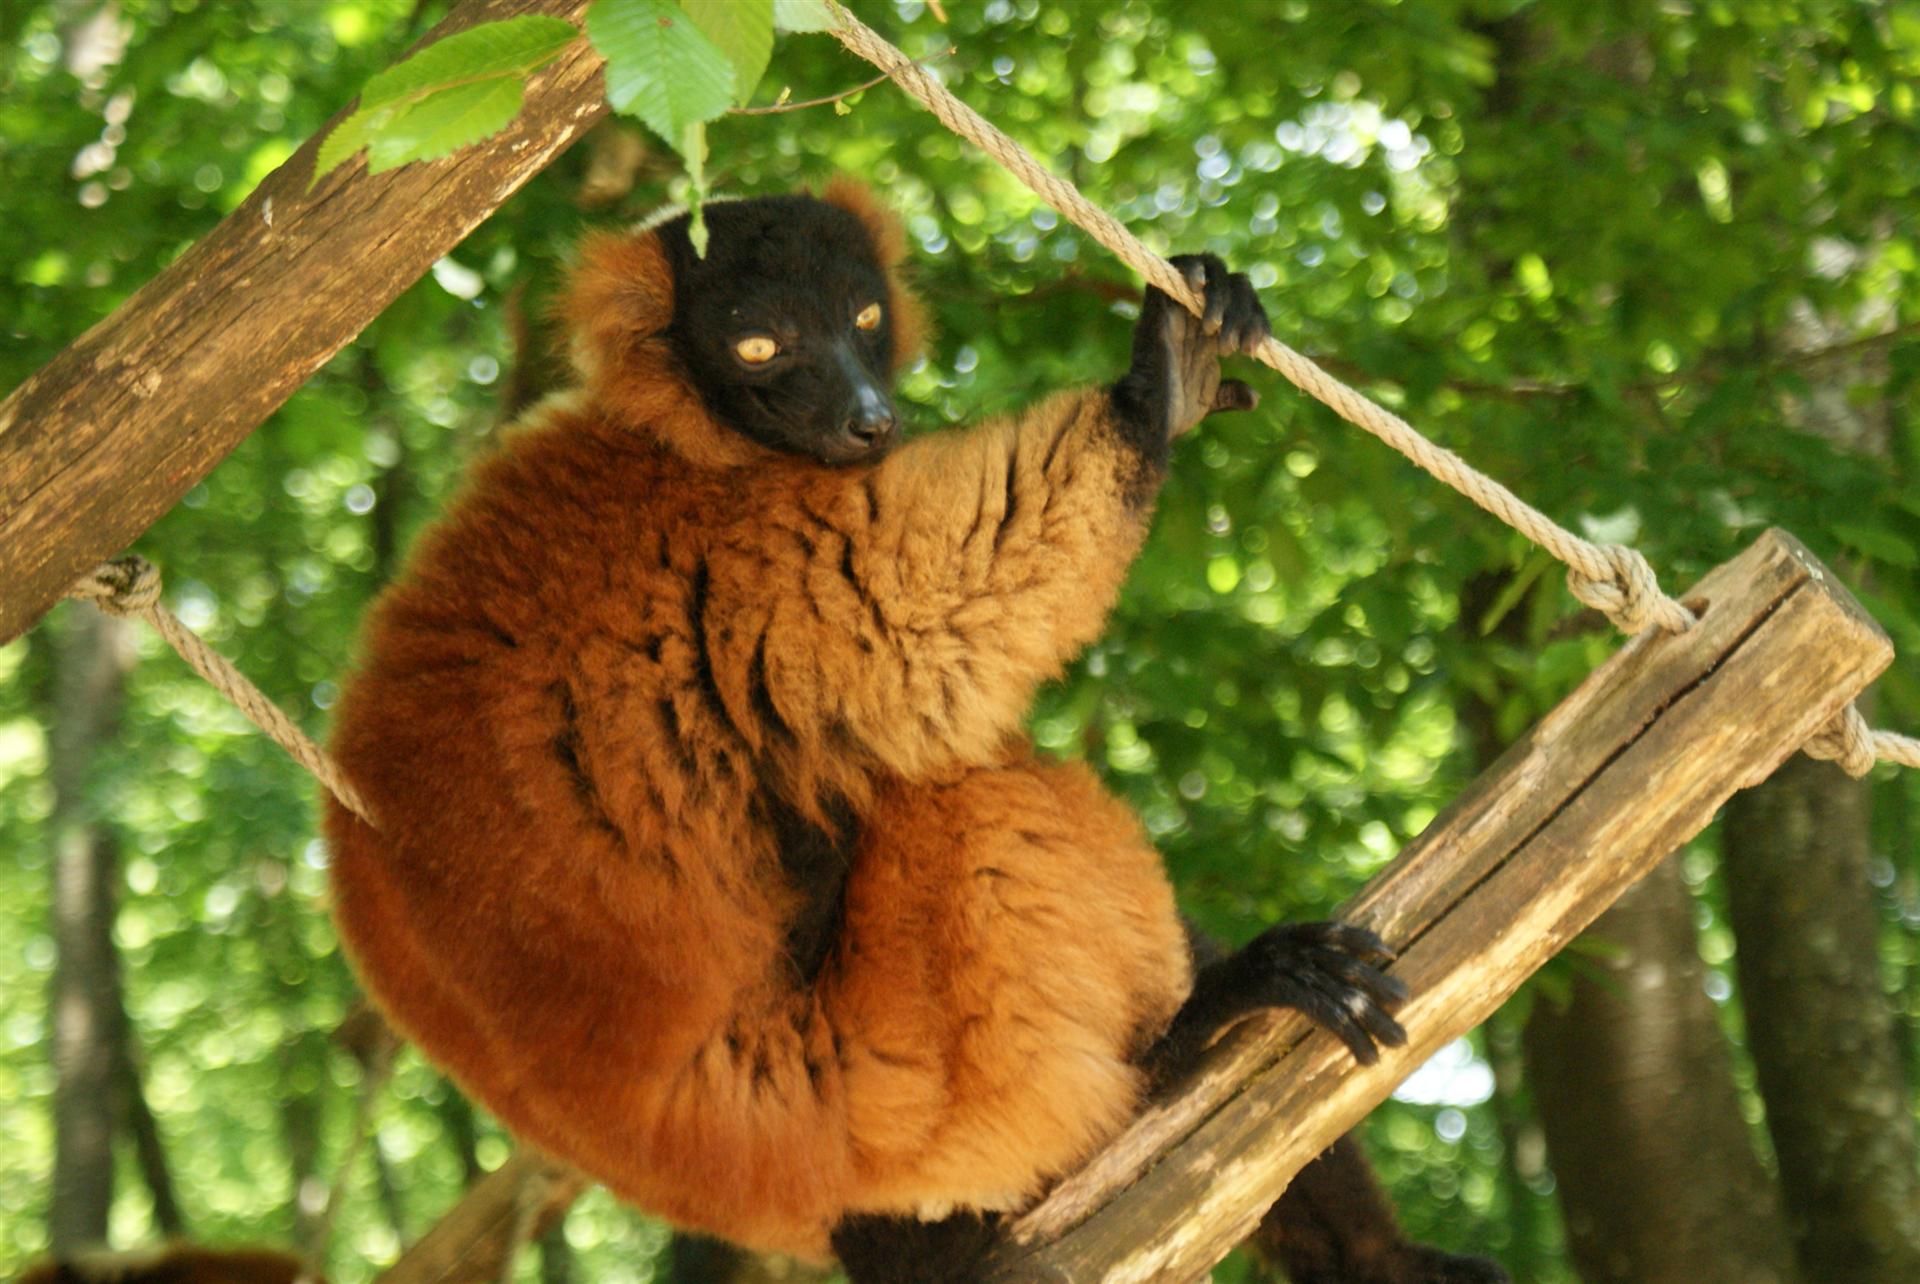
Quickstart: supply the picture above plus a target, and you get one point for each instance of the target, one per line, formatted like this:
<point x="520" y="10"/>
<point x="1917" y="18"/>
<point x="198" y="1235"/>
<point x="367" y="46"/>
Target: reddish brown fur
<point x="177" y="1264"/>
<point x="630" y="625"/>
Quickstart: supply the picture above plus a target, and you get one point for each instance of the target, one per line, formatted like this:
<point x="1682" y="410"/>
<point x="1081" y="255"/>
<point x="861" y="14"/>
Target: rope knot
<point x="124" y="586"/>
<point x="1845" y="740"/>
<point x="1627" y="592"/>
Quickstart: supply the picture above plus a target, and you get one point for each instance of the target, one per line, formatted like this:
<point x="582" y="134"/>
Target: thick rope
<point x="130" y="586"/>
<point x="1611" y="578"/>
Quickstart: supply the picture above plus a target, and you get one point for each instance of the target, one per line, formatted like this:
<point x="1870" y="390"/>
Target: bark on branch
<point x="477" y="1239"/>
<point x="97" y="445"/>
<point x="1629" y="766"/>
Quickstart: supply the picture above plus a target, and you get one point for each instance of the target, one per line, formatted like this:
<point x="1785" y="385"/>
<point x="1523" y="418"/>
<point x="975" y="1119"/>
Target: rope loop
<point x="124" y="586"/>
<point x="1629" y="593"/>
<point x="130" y="586"/>
<point x="1847" y="741"/>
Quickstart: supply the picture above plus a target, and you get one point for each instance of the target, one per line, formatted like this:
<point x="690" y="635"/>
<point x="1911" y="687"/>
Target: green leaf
<point x="457" y="86"/>
<point x="693" y="146"/>
<point x="659" y="67"/>
<point x="348" y="137"/>
<point x="444" y="122"/>
<point x="514" y="48"/>
<point x="802" y="15"/>
<point x="743" y="31"/>
<point x="1880" y="544"/>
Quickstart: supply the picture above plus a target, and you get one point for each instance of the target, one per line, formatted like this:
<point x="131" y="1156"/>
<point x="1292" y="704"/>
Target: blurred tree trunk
<point x="300" y="1130"/>
<point x="1821" y="1029"/>
<point x="1523" y="1173"/>
<point x="144" y="1130"/>
<point x="463" y="1133"/>
<point x="1657" y="1175"/>
<point x="556" y="1257"/>
<point x="1797" y="853"/>
<point x="90" y="658"/>
<point x="387" y="1185"/>
<point x="1632" y="1082"/>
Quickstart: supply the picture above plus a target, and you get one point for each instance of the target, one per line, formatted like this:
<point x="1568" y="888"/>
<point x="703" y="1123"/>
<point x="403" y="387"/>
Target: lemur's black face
<point x="783" y="327"/>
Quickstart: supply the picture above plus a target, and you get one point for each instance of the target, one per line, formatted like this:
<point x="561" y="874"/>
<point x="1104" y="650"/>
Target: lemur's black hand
<point x="1326" y="970"/>
<point x="1174" y="381"/>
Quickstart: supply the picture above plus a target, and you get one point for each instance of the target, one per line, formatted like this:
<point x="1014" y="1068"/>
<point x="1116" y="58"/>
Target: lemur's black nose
<point x="870" y="418"/>
<point x="868" y="425"/>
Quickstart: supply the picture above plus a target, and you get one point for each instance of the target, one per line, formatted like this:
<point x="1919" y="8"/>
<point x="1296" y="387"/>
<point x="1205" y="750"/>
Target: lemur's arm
<point x="968" y="567"/>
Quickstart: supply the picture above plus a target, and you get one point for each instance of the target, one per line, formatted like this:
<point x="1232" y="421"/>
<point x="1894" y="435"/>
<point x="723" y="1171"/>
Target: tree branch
<point x="775" y="108"/>
<point x="1629" y="766"/>
<point x="474" y="1240"/>
<point x="149" y="1149"/>
<point x="100" y="443"/>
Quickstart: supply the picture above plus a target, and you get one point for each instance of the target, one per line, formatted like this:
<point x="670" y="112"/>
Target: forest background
<point x="1656" y="265"/>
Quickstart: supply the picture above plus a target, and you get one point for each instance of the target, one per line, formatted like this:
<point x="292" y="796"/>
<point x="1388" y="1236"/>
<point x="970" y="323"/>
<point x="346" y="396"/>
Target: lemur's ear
<point x="889" y="236"/>
<point x="620" y="293"/>
<point x="882" y="224"/>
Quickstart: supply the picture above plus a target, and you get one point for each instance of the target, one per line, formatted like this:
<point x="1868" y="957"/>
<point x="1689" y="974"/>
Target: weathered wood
<point x="1632" y="764"/>
<point x="97" y="445"/>
<point x="472" y="1241"/>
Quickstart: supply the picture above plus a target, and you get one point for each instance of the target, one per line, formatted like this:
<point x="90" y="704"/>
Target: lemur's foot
<point x="1326" y="970"/>
<point x="1431" y="1266"/>
<point x="875" y="1248"/>
<point x="1418" y="1265"/>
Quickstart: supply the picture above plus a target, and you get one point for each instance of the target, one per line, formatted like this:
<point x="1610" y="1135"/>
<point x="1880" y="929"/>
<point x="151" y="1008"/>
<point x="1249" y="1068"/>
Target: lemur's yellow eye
<point x="869" y="317"/>
<point x="756" y="349"/>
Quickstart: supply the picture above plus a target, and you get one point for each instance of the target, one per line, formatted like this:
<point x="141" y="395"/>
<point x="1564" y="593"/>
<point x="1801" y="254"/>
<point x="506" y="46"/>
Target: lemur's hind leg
<point x="904" y="1250"/>
<point x="1334" y="1226"/>
<point x="1009" y="949"/>
<point x="1329" y="971"/>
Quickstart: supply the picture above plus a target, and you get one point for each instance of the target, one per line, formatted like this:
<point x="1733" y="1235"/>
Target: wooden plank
<point x="1629" y="766"/>
<point x="97" y="445"/>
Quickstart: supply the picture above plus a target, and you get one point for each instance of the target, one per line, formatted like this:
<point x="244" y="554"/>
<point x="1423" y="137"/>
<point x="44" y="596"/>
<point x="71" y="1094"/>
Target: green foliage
<point x="453" y="92"/>
<point x="661" y="68"/>
<point x="510" y="48"/>
<point x="675" y="67"/>
<point x="1646" y="264"/>
<point x="443" y="122"/>
<point x="802" y="15"/>
<point x="742" y="30"/>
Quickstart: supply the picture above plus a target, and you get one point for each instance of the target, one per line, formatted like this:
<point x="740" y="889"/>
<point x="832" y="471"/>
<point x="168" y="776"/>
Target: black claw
<point x="1219" y="301"/>
<point x="1326" y="970"/>
<point x="1360" y="942"/>
<point x="1383" y="1028"/>
<point x="1262" y="331"/>
<point x="1360" y="1045"/>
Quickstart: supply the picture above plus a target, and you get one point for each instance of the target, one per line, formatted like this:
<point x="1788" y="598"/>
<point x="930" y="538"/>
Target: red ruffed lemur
<point x="710" y="853"/>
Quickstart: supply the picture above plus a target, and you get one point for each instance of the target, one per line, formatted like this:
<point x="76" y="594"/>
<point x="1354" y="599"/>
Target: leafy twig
<point x="844" y="94"/>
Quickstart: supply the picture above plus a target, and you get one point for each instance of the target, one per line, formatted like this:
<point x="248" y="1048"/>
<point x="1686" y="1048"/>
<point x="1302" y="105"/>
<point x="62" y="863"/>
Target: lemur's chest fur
<point x="671" y="725"/>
